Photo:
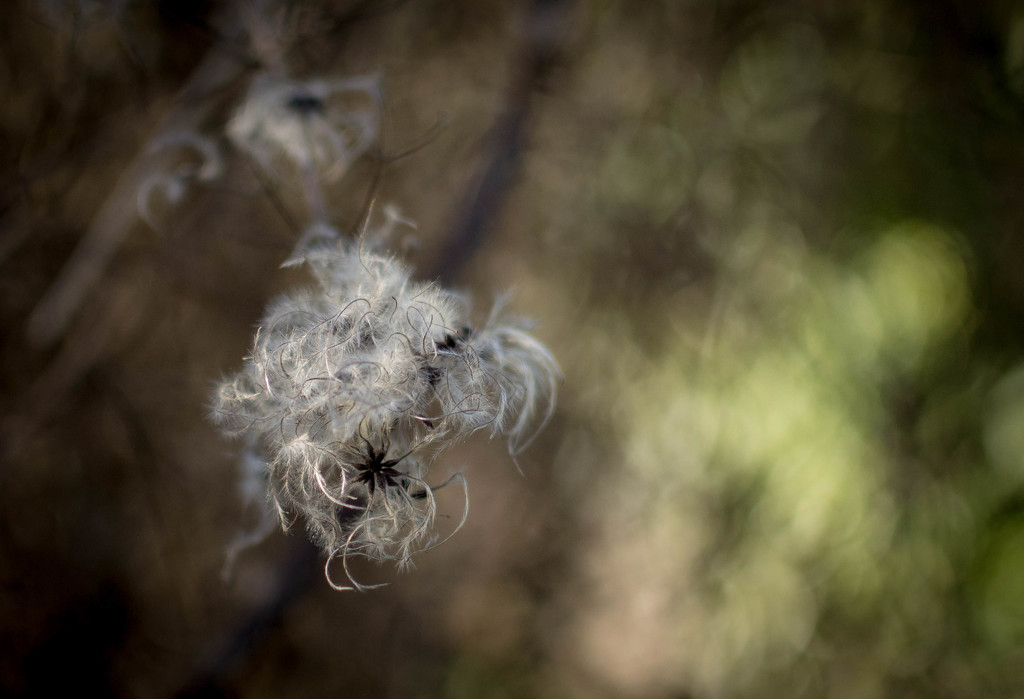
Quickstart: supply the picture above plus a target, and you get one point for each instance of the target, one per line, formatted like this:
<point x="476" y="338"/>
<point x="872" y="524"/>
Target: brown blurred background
<point x="775" y="245"/>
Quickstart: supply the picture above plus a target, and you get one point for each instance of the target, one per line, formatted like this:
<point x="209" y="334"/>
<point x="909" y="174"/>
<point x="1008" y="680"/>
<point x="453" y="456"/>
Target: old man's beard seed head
<point x="353" y="387"/>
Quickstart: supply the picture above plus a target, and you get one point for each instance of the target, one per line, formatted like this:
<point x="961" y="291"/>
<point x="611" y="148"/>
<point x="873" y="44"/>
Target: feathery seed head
<point x="352" y="388"/>
<point x="285" y="123"/>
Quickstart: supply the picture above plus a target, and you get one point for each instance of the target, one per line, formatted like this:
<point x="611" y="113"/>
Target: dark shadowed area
<point x="775" y="245"/>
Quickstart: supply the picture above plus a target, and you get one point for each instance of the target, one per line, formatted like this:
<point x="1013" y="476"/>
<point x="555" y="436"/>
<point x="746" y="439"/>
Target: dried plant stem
<point x="90" y="259"/>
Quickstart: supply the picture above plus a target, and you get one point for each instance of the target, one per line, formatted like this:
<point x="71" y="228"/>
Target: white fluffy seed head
<point x="286" y="124"/>
<point x="353" y="387"/>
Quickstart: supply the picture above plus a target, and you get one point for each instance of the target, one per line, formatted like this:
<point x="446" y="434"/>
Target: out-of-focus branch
<point x="58" y="306"/>
<point x="539" y="52"/>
